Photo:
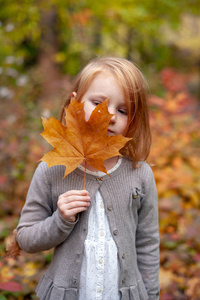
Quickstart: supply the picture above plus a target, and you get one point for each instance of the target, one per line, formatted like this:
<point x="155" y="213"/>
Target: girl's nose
<point x="113" y="119"/>
<point x="111" y="109"/>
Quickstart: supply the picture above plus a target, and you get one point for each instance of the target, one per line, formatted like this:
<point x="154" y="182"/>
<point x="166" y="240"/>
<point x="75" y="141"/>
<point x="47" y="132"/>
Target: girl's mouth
<point x="109" y="131"/>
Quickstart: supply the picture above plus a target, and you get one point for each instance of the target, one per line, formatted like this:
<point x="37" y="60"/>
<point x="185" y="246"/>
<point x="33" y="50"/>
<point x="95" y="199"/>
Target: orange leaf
<point x="12" y="247"/>
<point x="81" y="140"/>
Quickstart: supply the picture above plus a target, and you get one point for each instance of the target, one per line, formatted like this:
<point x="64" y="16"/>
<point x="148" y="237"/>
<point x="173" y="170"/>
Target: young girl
<point x="106" y="237"/>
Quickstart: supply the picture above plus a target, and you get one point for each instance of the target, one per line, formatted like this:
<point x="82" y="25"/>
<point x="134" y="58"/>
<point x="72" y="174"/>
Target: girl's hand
<point x="71" y="203"/>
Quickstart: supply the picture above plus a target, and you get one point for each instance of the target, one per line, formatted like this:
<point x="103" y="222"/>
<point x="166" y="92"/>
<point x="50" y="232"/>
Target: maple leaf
<point x="81" y="140"/>
<point x="12" y="247"/>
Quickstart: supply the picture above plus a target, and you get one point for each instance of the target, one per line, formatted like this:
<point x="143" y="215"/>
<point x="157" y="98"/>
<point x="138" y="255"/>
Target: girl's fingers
<point x="76" y="198"/>
<point x="75" y="211"/>
<point x="70" y="214"/>
<point x="71" y="199"/>
<point x="76" y="192"/>
<point x="73" y="202"/>
<point x="74" y="195"/>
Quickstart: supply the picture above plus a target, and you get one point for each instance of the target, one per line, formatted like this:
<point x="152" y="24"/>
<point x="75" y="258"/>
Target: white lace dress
<point x="100" y="268"/>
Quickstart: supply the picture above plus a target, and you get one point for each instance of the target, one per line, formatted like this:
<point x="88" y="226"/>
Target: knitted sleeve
<point x="40" y="227"/>
<point x="147" y="237"/>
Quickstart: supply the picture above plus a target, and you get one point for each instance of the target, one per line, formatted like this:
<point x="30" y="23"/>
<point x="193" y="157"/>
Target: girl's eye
<point x="122" y="111"/>
<point x="96" y="102"/>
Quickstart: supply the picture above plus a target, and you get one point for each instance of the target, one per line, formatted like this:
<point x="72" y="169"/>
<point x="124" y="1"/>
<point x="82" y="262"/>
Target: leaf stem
<point x="85" y="173"/>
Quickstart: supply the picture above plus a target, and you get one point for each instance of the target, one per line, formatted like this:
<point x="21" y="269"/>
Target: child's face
<point x="104" y="86"/>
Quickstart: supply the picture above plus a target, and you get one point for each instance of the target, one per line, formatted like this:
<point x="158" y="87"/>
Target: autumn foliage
<point x="175" y="161"/>
<point x="175" y="122"/>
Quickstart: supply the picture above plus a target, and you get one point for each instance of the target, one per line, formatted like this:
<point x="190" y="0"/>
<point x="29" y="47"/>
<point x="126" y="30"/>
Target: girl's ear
<point x="73" y="95"/>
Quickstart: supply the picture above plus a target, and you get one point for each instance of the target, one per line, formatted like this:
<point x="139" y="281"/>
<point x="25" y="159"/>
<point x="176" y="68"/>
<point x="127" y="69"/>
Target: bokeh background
<point x="43" y="45"/>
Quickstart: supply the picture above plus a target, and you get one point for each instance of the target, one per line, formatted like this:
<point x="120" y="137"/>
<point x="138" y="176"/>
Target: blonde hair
<point x="134" y="87"/>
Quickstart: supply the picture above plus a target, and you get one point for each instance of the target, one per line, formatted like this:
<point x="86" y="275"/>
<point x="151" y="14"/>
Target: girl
<point x="106" y="237"/>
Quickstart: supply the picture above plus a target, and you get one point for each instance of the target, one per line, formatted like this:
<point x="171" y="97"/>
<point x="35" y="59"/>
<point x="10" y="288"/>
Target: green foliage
<point x="80" y="30"/>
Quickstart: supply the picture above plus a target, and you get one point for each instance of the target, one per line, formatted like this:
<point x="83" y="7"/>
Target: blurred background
<point x="43" y="45"/>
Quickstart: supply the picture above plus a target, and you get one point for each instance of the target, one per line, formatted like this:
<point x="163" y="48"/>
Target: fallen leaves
<point x="79" y="140"/>
<point x="11" y="286"/>
<point x="6" y="282"/>
<point x="175" y="153"/>
<point x="12" y="247"/>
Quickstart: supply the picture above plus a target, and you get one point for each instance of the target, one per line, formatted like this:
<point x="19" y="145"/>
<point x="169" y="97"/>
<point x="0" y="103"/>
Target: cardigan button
<point x="115" y="232"/>
<point x="109" y="207"/>
<point x="75" y="281"/>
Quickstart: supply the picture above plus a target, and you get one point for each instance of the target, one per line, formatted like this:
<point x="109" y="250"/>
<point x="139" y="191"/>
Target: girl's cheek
<point x="124" y="125"/>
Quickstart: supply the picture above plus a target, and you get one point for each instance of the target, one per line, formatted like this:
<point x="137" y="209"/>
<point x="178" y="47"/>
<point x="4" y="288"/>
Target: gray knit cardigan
<point x="130" y="200"/>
